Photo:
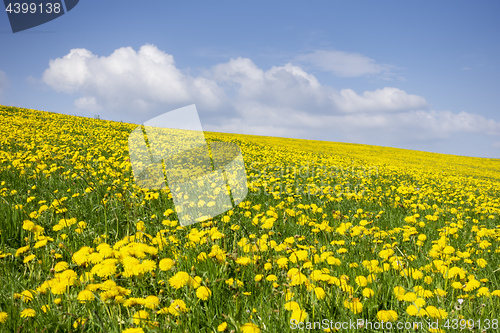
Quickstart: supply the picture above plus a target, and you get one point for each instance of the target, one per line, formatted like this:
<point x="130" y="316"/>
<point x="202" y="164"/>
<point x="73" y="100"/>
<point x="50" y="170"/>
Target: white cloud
<point x="140" y="80"/>
<point x="345" y="64"/>
<point x="3" y="81"/>
<point x="87" y="103"/>
<point x="69" y="73"/>
<point x="244" y="98"/>
<point x="449" y="122"/>
<point x="291" y="86"/>
<point x="409" y="129"/>
<point x="128" y="78"/>
<point x="279" y="86"/>
<point x="381" y="100"/>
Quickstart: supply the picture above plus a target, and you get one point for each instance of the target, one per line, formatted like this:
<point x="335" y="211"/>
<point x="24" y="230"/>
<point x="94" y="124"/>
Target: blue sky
<point x="421" y="75"/>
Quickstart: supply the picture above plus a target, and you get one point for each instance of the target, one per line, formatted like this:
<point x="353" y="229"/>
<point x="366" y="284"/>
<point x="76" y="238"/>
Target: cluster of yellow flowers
<point x="328" y="230"/>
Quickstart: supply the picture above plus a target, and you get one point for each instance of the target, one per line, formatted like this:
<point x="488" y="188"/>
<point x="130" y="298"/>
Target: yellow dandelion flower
<point x="368" y="292"/>
<point x="385" y="254"/>
<point x="250" y="328"/>
<point x="386" y="316"/>
<point x="320" y="292"/>
<point x="22" y="250"/>
<point x="28" y="225"/>
<point x="133" y="330"/>
<point x="26" y="296"/>
<point x="151" y="302"/>
<point x="79" y="322"/>
<point x="140" y="316"/>
<point x="179" y="280"/>
<point x="291" y="306"/>
<point x="58" y="288"/>
<point x="271" y="277"/>
<point x="361" y="281"/>
<point x="481" y="262"/>
<point x="434" y="312"/>
<point x="282" y="262"/>
<point x="195" y="282"/>
<point x="26" y="313"/>
<point x="354" y="305"/>
<point x="483" y="291"/>
<point x="166" y="264"/>
<point x="496" y="293"/>
<point x="85" y="296"/>
<point x="472" y="284"/>
<point x="298" y="256"/>
<point x="29" y="258"/>
<point x="413" y="310"/>
<point x="147" y="265"/>
<point x="243" y="261"/>
<point x="333" y="261"/>
<point x="177" y="306"/>
<point x="61" y="266"/>
<point x="410" y="297"/>
<point x="3" y="317"/>
<point x="399" y="292"/>
<point x="203" y="293"/>
<point x="420" y="302"/>
<point x="448" y="250"/>
<point x="222" y="327"/>
<point x="298" y="315"/>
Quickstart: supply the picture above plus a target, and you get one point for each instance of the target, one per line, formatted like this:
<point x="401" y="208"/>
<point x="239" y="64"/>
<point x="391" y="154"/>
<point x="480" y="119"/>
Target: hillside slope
<point x="333" y="231"/>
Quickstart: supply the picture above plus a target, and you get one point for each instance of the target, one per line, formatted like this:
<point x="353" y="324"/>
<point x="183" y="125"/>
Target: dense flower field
<point x="330" y="237"/>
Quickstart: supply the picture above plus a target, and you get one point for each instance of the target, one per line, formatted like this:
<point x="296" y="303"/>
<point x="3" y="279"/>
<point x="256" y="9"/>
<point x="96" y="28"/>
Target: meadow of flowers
<point x="328" y="231"/>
